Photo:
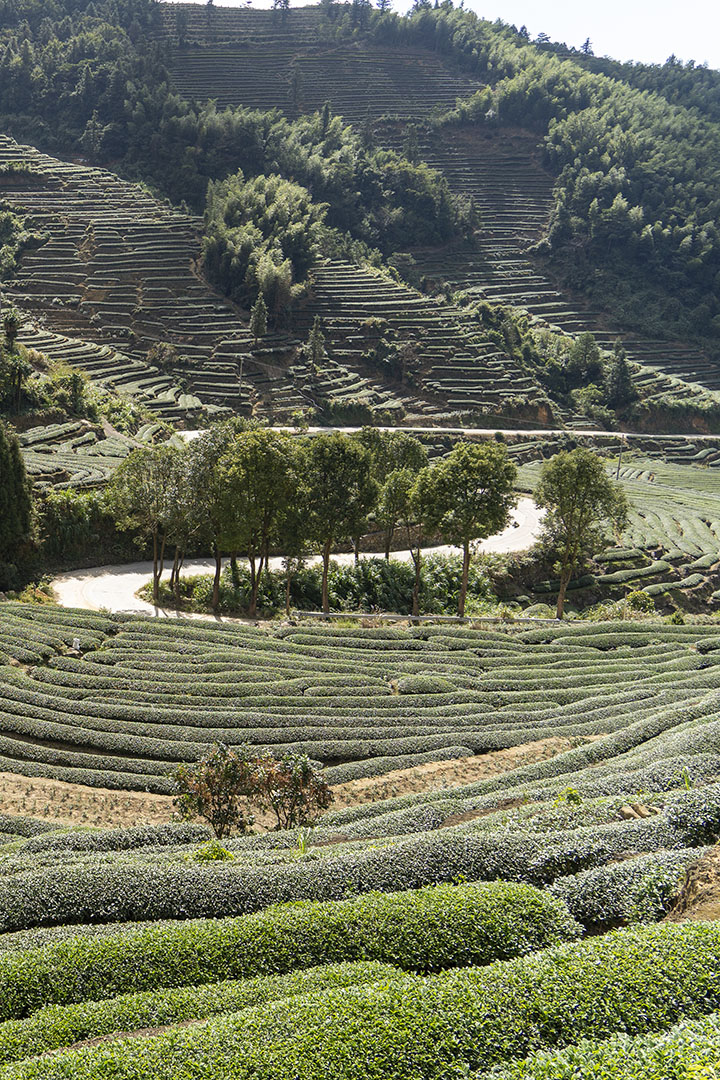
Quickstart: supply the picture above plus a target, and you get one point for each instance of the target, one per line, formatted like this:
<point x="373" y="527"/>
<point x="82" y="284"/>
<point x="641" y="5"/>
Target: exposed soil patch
<point x="699" y="899"/>
<point x="77" y="804"/>
<point x="436" y="775"/>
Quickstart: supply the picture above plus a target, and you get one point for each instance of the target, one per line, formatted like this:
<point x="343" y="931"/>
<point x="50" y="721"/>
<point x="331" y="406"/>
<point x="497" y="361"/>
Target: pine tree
<point x="258" y="319"/>
<point x="315" y="347"/>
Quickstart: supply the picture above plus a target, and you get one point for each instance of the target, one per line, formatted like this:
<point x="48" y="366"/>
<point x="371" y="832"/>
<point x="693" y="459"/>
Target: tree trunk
<point x="326" y="568"/>
<point x="288" y="578"/>
<point x="465" y="576"/>
<point x="234" y="569"/>
<point x="216" y="580"/>
<point x="156" y="580"/>
<point x="417" y="559"/>
<point x="174" y="573"/>
<point x="564" y="581"/>
<point x="356" y="549"/>
<point x="388" y="543"/>
<point x="255" y="575"/>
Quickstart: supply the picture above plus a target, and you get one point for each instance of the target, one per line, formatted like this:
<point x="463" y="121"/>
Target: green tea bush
<point x="423" y="930"/>
<point x="635" y="890"/>
<point x="690" y="1050"/>
<point x="61" y="1025"/>
<point x="633" y="981"/>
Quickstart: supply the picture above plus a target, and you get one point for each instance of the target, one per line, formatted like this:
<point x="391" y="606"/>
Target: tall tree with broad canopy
<point x="470" y="495"/>
<point x="257" y="477"/>
<point x="407" y="498"/>
<point x="340" y="492"/>
<point x="582" y="504"/>
<point x="15" y="497"/>
<point x="145" y="495"/>
<point x="204" y="487"/>
<point x="391" y="452"/>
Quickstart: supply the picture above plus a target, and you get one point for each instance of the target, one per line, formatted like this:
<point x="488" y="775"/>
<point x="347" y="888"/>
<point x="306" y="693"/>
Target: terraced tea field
<point x="71" y="455"/>
<point x="362" y="701"/>
<point x="117" y="276"/>
<point x="672" y="540"/>
<point x="261" y="60"/>
<point x="455" y="366"/>
<point x="140" y="930"/>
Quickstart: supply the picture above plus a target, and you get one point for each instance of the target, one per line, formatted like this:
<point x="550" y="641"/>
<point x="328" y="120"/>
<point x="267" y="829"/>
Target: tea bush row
<point x="125" y="890"/>
<point x="55" y="1026"/>
<point x="421" y="930"/>
<point x="635" y="890"/>
<point x="690" y="1049"/>
<point x="634" y="982"/>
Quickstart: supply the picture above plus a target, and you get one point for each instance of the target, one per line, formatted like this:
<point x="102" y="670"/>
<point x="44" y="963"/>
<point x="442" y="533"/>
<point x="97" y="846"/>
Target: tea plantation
<point x="345" y="246"/>
<point x="421" y="933"/>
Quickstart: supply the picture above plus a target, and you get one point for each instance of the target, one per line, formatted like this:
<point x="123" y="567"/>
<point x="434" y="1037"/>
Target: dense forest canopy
<point x="636" y="149"/>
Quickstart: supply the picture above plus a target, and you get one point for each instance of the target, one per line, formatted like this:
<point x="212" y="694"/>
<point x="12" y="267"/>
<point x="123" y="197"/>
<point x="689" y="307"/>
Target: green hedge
<point x="62" y="1025"/>
<point x="422" y="930"/>
<point x="690" y="1051"/>
<point x="430" y="1028"/>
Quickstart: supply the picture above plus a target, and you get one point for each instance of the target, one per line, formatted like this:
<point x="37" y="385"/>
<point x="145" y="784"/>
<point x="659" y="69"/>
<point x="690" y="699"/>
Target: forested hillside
<point x="476" y="167"/>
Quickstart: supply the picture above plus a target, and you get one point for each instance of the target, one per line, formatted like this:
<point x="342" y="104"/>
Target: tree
<point x="258" y="319"/>
<point x="257" y="479"/>
<point x="618" y="382"/>
<point x="144" y="494"/>
<point x="391" y="451"/>
<point x="340" y="492"/>
<point x="315" y="346"/>
<point x="470" y="495"/>
<point x="292" y="789"/>
<point x="205" y="487"/>
<point x="15" y="497"/>
<point x="581" y="501"/>
<point x="11" y="325"/>
<point x="213" y="788"/>
<point x="406" y="498"/>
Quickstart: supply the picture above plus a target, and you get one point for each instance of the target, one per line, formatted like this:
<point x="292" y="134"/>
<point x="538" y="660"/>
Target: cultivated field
<point x="501" y="793"/>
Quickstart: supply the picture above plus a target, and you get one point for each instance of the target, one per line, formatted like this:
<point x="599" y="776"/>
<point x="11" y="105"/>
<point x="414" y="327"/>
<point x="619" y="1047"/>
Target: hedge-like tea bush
<point x="115" y="890"/>
<point x="690" y="1049"/>
<point x="423" y="930"/>
<point x="635" y="890"/>
<point x="62" y="1025"/>
<point x="633" y="981"/>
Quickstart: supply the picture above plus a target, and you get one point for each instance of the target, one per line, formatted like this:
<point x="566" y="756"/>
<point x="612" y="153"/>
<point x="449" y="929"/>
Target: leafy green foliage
<point x="56" y="1026"/>
<point x="632" y="981"/>
<point x="15" y="498"/>
<point x="425" y="930"/>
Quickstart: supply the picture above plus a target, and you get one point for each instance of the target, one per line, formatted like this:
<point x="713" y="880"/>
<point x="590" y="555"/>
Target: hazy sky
<point x="623" y="29"/>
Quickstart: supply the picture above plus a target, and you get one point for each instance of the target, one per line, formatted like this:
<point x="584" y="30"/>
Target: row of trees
<point x="251" y="491"/>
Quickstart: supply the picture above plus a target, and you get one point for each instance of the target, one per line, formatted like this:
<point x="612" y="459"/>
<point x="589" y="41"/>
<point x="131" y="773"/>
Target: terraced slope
<point x="503" y="174"/>
<point x="145" y="694"/>
<point x="672" y="540"/>
<point x="117" y="273"/>
<point x="261" y="60"/>
<point x="457" y="368"/>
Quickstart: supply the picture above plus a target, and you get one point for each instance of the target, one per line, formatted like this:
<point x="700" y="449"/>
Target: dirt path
<point x="77" y="804"/>
<point x="113" y="588"/>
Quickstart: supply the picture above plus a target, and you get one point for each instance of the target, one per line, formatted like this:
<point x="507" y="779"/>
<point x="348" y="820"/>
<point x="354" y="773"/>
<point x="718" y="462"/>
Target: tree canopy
<point x="582" y="505"/>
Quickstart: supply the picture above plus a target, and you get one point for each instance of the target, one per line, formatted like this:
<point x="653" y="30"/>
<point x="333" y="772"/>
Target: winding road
<point x="113" y="588"/>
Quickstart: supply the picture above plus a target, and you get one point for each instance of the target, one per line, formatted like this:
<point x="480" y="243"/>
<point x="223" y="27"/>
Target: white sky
<point x="624" y="29"/>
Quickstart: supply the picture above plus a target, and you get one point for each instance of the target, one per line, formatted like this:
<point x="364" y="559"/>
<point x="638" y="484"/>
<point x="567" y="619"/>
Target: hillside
<point x="359" y="549"/>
